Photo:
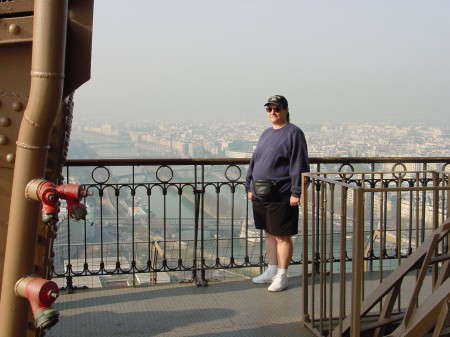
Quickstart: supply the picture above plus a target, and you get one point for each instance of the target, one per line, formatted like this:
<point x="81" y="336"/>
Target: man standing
<point x="273" y="185"/>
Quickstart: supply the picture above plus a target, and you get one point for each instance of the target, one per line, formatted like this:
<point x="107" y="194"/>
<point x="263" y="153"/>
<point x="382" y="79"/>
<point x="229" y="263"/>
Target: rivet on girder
<point x="11" y="158"/>
<point x="3" y="140"/>
<point x="5" y="121"/>
<point x="17" y="106"/>
<point x="14" y="29"/>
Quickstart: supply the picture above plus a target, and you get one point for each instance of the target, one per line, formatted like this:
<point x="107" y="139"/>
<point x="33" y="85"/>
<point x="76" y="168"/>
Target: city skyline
<point x="192" y="139"/>
<point x="335" y="61"/>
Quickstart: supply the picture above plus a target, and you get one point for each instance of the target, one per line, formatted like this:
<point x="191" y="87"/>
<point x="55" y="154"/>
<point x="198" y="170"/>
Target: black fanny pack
<point x="263" y="188"/>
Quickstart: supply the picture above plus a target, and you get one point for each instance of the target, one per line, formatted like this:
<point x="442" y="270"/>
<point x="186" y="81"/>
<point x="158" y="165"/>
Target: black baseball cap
<point x="278" y="100"/>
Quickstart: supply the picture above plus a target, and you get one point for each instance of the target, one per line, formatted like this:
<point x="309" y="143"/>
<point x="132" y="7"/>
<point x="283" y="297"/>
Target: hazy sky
<point x="334" y="60"/>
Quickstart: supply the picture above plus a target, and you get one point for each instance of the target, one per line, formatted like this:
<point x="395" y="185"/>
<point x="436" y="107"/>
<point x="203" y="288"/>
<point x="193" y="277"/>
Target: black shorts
<point x="277" y="217"/>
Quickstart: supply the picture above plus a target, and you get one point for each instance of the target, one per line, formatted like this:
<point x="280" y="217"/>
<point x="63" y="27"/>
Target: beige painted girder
<point x="46" y="89"/>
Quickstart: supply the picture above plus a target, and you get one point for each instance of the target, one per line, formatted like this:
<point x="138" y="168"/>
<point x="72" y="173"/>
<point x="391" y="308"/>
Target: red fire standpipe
<point x="45" y="191"/>
<point x="50" y="195"/>
<point x="41" y="294"/>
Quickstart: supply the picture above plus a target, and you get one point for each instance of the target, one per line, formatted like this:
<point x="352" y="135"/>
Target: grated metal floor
<point x="238" y="308"/>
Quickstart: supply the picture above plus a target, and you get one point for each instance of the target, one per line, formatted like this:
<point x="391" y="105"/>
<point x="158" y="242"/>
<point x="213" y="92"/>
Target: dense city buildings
<point x="238" y="139"/>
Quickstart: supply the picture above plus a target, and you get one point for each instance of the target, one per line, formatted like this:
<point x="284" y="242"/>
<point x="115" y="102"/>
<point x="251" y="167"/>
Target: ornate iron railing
<point x="150" y="218"/>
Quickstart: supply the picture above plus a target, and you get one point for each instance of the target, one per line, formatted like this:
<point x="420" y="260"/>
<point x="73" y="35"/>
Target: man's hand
<point x="249" y="195"/>
<point x="294" y="201"/>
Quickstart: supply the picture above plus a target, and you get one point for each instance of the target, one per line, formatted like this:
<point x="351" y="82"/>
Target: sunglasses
<point x="277" y="109"/>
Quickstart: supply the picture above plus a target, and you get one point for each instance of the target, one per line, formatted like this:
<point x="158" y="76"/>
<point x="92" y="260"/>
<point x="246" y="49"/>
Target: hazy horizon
<point x="359" y="61"/>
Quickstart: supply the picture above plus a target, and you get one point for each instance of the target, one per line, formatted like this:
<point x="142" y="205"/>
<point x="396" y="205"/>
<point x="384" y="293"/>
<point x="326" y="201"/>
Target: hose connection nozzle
<point x="73" y="194"/>
<point x="50" y="194"/>
<point x="41" y="294"/>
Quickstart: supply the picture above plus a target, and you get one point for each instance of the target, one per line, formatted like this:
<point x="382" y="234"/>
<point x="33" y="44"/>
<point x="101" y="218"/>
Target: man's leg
<point x="284" y="249"/>
<point x="272" y="257"/>
<point x="271" y="249"/>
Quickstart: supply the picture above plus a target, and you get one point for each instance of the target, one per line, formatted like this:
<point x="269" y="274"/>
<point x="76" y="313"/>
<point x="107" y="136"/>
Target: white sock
<point x="273" y="268"/>
<point x="282" y="272"/>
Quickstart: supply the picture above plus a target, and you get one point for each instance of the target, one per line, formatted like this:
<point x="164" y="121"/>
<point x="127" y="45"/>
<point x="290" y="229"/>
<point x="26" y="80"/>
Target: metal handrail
<point x="344" y="226"/>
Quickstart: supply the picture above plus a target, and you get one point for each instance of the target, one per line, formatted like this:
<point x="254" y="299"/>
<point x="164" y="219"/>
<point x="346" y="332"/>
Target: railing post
<point x="371" y="254"/>
<point x="424" y="194"/>
<point x="305" y="262"/>
<point x="201" y="200"/>
<point x="357" y="262"/>
<point x="196" y="217"/>
<point x="317" y="224"/>
<point x="69" y="284"/>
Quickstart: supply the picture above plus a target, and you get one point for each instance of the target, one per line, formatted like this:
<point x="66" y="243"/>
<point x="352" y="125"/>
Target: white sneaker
<point x="266" y="277"/>
<point x="280" y="282"/>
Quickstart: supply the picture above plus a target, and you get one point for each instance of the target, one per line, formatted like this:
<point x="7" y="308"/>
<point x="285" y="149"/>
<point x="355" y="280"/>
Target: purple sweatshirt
<point x="281" y="155"/>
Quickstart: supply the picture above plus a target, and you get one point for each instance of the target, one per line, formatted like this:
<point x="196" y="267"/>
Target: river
<point x="89" y="146"/>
